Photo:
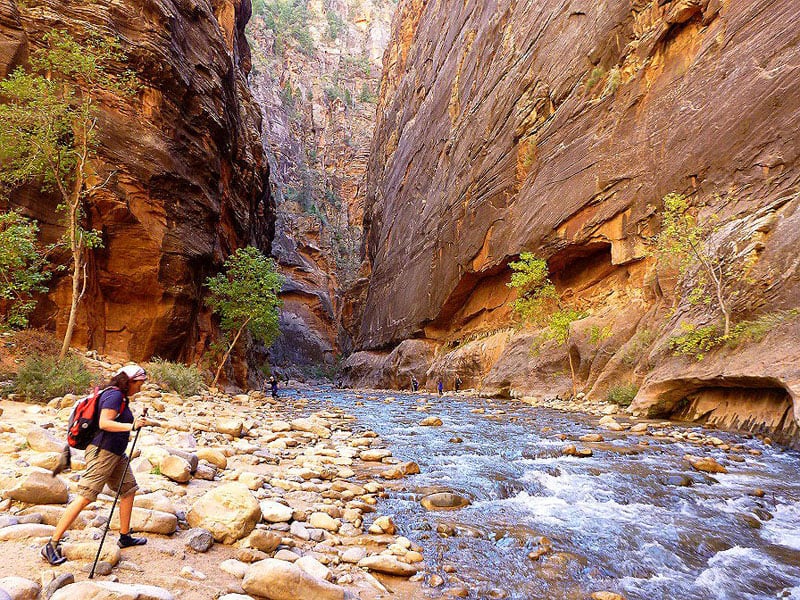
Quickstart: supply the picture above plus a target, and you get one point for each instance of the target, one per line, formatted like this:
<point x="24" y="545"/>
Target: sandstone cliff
<point x="558" y="128"/>
<point x="316" y="74"/>
<point x="191" y="179"/>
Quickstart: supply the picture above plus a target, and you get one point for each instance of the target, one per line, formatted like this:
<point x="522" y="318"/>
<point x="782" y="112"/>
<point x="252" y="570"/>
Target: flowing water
<point x="618" y="521"/>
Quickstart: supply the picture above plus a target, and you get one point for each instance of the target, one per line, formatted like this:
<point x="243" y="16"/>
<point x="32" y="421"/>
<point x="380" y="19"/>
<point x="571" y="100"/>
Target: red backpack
<point x="84" y="421"/>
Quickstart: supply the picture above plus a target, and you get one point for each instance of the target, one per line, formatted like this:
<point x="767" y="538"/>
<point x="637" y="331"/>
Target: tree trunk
<point x="572" y="372"/>
<point x="73" y="307"/>
<point x="228" y="353"/>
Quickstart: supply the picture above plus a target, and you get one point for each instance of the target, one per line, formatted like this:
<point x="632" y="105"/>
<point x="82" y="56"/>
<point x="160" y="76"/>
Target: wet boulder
<point x="444" y="501"/>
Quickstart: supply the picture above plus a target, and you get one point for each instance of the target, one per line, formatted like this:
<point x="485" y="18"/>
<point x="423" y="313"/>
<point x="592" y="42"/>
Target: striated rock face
<point x="190" y="181"/>
<point x="558" y="128"/>
<point x="316" y="74"/>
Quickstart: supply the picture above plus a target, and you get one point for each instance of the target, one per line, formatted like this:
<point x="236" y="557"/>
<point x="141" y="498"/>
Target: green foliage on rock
<point x="622" y="395"/>
<point x="48" y="133"/>
<point x="45" y="377"/>
<point x="22" y="269"/>
<point x="245" y="296"/>
<point x="539" y="304"/>
<point x="536" y="294"/>
<point x="718" y="270"/>
<point x="185" y="380"/>
<point x="697" y="341"/>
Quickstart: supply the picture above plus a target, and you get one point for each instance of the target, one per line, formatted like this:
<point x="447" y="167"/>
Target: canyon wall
<point x="189" y="182"/>
<point x="316" y="71"/>
<point x="557" y="128"/>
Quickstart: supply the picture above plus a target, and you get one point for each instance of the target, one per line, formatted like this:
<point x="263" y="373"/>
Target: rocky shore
<point x="240" y="496"/>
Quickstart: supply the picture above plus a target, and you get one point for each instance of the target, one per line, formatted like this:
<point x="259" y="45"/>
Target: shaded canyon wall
<point x="318" y="89"/>
<point x="190" y="179"/>
<point x="557" y="128"/>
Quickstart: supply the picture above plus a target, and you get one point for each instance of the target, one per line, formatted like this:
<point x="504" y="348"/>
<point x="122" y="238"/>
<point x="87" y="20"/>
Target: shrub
<point x="622" y="395"/>
<point x="757" y="329"/>
<point x="35" y="342"/>
<point x="185" y="380"/>
<point x="44" y="377"/>
<point x="696" y="340"/>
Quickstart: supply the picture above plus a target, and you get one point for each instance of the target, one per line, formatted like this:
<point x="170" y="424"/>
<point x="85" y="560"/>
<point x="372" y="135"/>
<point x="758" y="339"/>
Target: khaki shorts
<point x="105" y="468"/>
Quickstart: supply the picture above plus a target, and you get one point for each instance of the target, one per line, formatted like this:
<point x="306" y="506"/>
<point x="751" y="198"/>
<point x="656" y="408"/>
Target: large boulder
<point x="42" y="440"/>
<point x="39" y="487"/>
<point x="281" y="580"/>
<point x="229" y="512"/>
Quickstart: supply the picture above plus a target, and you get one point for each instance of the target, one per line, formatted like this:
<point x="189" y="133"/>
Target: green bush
<point x="44" y="377"/>
<point x="757" y="329"/>
<point x="622" y="395"/>
<point x="176" y="377"/>
<point x="696" y="340"/>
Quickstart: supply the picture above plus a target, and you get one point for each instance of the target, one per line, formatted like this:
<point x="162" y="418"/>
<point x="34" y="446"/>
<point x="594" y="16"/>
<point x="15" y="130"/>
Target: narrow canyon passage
<point x="633" y="518"/>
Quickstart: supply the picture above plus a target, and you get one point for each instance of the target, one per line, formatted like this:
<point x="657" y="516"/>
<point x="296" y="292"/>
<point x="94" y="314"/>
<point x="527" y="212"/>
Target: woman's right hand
<point x="139" y="423"/>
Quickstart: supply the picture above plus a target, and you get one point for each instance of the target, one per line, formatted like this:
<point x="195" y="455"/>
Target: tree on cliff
<point x="245" y="295"/>
<point x="692" y="245"/>
<point x="539" y="304"/>
<point x="22" y="269"/>
<point x="48" y="135"/>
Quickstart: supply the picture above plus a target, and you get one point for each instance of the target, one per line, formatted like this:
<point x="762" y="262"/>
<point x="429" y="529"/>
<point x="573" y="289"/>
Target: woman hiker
<point x="106" y="460"/>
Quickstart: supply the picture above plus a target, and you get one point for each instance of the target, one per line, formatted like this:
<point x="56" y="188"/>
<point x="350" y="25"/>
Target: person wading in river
<point x="106" y="460"/>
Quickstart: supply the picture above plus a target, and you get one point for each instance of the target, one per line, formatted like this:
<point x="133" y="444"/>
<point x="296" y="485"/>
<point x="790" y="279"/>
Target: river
<point x="634" y="518"/>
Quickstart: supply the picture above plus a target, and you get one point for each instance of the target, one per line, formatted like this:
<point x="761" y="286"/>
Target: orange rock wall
<point x="191" y="180"/>
<point x="558" y="128"/>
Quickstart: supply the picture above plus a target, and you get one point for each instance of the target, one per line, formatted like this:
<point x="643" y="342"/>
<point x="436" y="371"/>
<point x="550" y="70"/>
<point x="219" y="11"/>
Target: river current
<point x="633" y="519"/>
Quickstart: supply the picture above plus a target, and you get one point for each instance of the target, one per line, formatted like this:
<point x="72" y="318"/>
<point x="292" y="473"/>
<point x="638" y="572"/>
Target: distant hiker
<point x="440" y="386"/>
<point x="106" y="460"/>
<point x="273" y="383"/>
<point x="414" y="384"/>
<point x="458" y="383"/>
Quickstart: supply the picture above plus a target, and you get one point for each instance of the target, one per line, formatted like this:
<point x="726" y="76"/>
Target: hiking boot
<point x="126" y="540"/>
<point x="52" y="553"/>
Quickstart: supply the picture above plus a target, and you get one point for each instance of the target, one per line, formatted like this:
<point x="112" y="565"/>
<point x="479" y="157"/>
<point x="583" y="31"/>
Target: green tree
<point x="692" y="245"/>
<point x="288" y="19"/>
<point x="48" y="135"/>
<point x="539" y="304"/>
<point x="22" y="268"/>
<point x="245" y="295"/>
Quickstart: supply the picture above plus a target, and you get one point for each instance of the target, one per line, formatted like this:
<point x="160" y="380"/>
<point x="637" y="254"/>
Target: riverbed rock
<point x="444" y="501"/>
<point x="431" y="422"/>
<point x="176" y="468"/>
<point x="318" y="427"/>
<point x="109" y="590"/>
<point x="39" y="487"/>
<point x="42" y="440"/>
<point x="213" y="456"/>
<point x="705" y="464"/>
<point x="390" y="565"/>
<point x="199" y="539"/>
<point x="275" y="512"/>
<point x="280" y="580"/>
<point x="229" y="512"/>
<point x="149" y="521"/>
<point x="25" y="531"/>
<point x="86" y="551"/>
<point x="19" y="588"/>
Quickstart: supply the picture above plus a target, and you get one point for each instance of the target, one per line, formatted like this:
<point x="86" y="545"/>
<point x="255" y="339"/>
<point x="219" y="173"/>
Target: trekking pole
<point x="116" y="498"/>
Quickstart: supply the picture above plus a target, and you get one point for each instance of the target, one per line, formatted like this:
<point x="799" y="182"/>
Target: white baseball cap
<point x="134" y="372"/>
